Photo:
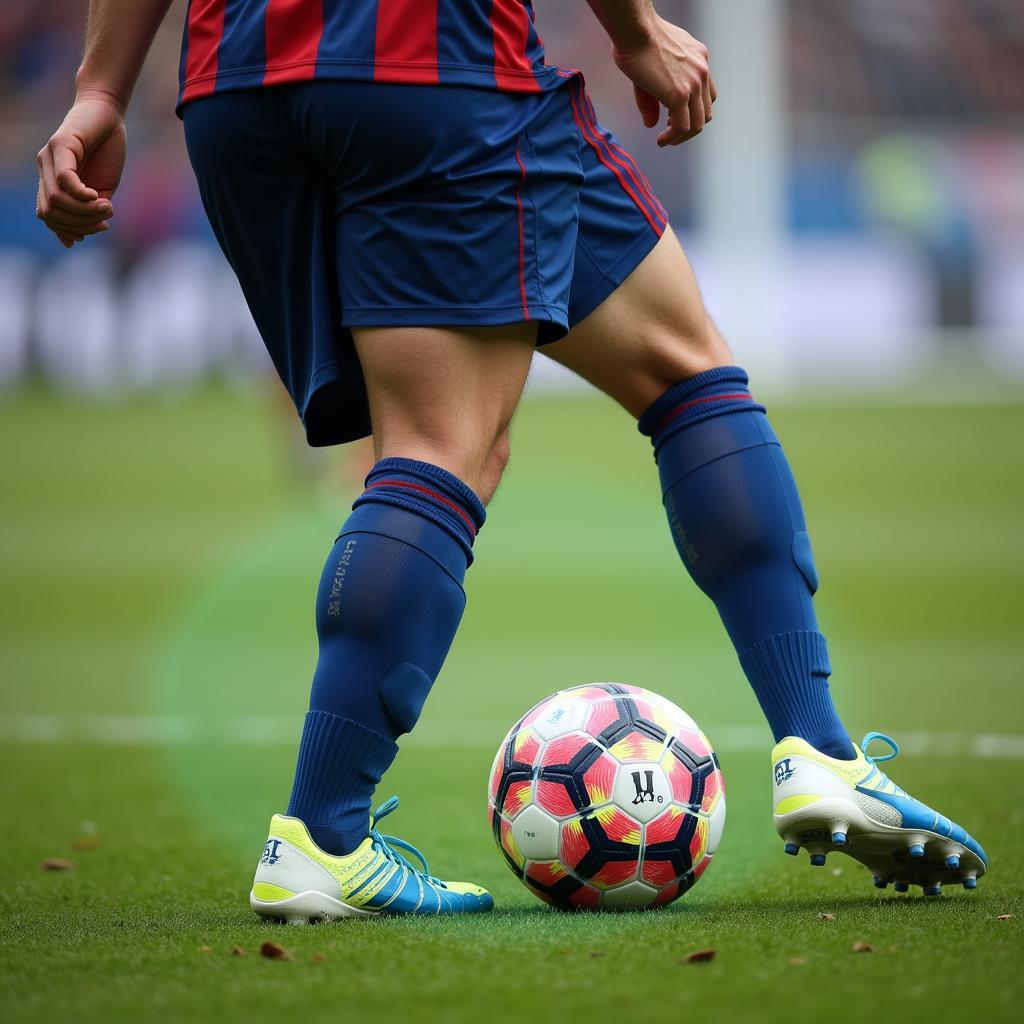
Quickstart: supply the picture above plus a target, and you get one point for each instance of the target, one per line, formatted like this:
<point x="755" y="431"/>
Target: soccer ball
<point x="607" y="796"/>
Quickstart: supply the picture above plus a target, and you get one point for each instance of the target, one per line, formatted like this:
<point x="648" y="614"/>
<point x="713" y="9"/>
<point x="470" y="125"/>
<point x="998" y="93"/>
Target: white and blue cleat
<point x="822" y="804"/>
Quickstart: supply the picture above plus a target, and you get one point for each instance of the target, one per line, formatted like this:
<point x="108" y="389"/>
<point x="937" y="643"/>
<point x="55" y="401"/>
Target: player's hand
<point x="670" y="70"/>
<point x="79" y="169"/>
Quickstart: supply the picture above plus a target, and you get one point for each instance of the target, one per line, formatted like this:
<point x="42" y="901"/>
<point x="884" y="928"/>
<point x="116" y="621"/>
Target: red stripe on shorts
<point x="582" y="122"/>
<point x="204" y="31"/>
<point x="292" y="30"/>
<point x="406" y="41"/>
<point x="617" y="154"/>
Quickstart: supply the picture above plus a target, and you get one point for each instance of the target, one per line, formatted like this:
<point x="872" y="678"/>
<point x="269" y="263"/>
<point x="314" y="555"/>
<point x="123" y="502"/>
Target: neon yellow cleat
<point x="824" y="804"/>
<point x="298" y="882"/>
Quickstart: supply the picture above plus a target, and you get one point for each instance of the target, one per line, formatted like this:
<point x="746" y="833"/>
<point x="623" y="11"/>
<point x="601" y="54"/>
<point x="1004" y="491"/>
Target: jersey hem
<point x="458" y="74"/>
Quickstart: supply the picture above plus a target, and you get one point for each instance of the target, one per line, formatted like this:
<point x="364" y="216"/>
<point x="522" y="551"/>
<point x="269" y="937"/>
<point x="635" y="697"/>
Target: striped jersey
<point x="239" y="44"/>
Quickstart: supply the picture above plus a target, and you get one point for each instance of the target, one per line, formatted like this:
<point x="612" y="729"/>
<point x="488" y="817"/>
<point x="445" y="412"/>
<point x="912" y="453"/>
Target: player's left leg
<point x="738" y="524"/>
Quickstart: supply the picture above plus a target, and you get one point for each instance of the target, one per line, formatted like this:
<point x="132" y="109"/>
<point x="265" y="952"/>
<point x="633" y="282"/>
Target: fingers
<point x="65" y="165"/>
<point x="691" y="109"/>
<point x="649" y="107"/>
<point x="69" y="208"/>
<point x="678" y="129"/>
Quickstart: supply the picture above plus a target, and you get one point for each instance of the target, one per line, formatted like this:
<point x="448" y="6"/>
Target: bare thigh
<point x="650" y="333"/>
<point x="445" y="395"/>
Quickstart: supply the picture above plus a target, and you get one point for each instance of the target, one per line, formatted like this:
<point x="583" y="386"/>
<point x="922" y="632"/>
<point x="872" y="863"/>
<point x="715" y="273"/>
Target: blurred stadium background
<point x="855" y="216"/>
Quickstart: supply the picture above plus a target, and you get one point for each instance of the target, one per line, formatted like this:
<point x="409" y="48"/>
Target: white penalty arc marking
<point x="284" y="730"/>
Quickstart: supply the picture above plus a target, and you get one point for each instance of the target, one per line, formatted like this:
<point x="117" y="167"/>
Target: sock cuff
<point x="429" y="491"/>
<point x="336" y="756"/>
<point x="798" y="654"/>
<point x="715" y="392"/>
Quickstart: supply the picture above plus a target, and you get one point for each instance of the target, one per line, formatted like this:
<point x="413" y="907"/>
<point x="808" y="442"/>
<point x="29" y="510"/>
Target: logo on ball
<point x="645" y="790"/>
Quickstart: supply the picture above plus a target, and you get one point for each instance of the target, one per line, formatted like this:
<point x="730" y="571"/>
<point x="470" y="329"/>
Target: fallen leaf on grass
<point x="272" y="951"/>
<point x="1004" y="917"/>
<point x="237" y="951"/>
<point x="699" y="956"/>
<point x="55" y="864"/>
<point x="86" y="843"/>
<point x="863" y="947"/>
<point x="797" y="961"/>
<point x="317" y="958"/>
<point x="827" y="917"/>
<point x="204" y="949"/>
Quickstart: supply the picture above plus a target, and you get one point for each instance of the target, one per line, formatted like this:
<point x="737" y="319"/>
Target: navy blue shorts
<point x="346" y="204"/>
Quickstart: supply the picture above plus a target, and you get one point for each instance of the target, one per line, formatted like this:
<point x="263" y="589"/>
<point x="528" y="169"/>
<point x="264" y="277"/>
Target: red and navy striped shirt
<point x="238" y="44"/>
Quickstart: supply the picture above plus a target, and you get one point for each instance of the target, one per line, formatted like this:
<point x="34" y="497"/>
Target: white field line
<point x="283" y="730"/>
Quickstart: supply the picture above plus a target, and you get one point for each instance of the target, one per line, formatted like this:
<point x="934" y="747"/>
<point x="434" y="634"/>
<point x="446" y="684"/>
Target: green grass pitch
<point x="157" y="572"/>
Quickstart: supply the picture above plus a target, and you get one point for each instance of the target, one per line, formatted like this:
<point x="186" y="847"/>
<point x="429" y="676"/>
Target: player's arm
<point x="81" y="165"/>
<point x="667" y="66"/>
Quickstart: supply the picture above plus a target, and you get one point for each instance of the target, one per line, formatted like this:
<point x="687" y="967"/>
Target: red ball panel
<point x="615" y="872"/>
<point x="554" y="798"/>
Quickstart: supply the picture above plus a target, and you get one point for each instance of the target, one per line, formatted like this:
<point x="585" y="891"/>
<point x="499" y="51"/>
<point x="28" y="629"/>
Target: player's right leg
<point x="361" y="219"/>
<point x="389" y="604"/>
<point x="641" y="334"/>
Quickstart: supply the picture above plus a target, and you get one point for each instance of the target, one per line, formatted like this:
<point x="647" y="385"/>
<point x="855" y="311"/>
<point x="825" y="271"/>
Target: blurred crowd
<point x="905" y="119"/>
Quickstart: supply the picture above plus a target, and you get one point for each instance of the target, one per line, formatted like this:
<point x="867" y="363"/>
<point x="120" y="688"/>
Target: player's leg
<point x="643" y="336"/>
<point x="732" y="503"/>
<point x="390" y="597"/>
<point x="408" y="208"/>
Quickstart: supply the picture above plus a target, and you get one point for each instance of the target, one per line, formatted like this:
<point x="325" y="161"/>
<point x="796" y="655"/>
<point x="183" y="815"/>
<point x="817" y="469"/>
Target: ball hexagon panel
<point x="599" y="779"/>
<point x="665" y="827"/>
<point x="680" y="779"/>
<point x="614" y="872"/>
<point x="618" y="826"/>
<point x="517" y="797"/>
<point x="631" y="896"/>
<point x="562" y="714"/>
<point x="536" y="834"/>
<point x="524" y="748"/>
<point x="554" y="798"/>
<point x="562" y="752"/>
<point x="574" y="843"/>
<point x="636" y="746"/>
<point x="641" y="789"/>
<point x="659" y="873"/>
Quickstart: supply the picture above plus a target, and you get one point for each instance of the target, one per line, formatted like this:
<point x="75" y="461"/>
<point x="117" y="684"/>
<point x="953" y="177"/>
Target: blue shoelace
<point x="390" y="846"/>
<point x="870" y="738"/>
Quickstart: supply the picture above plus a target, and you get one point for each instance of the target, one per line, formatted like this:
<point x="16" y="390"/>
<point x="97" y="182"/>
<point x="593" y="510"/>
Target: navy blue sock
<point x="738" y="525"/>
<point x="389" y="603"/>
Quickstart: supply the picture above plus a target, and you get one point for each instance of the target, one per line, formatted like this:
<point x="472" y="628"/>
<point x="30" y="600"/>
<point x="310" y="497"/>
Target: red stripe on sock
<point x="510" y="27"/>
<point x="292" y="29"/>
<point x="407" y="41"/>
<point x="583" y="125"/>
<point x="740" y="396"/>
<point x="204" y="31"/>
<point x="433" y="494"/>
<point x="522" y="234"/>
